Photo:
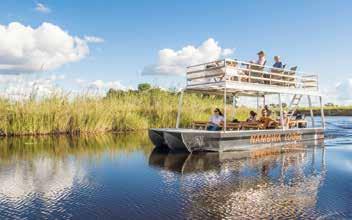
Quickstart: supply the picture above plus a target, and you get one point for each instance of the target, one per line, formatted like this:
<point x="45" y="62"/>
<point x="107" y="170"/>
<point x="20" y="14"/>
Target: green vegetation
<point x="330" y="110"/>
<point x="119" y="111"/>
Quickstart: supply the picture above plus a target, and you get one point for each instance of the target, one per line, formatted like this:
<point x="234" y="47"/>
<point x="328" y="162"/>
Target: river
<point x="123" y="177"/>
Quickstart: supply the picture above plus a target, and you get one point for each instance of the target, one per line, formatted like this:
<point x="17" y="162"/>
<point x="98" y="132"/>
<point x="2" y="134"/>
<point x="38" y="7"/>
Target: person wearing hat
<point x="278" y="63"/>
<point x="261" y="58"/>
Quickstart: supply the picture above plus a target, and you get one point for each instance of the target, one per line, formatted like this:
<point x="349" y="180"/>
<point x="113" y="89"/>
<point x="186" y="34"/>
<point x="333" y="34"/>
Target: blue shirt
<point x="277" y="65"/>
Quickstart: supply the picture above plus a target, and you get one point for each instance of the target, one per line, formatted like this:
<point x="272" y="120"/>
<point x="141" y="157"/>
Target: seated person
<point x="301" y="118"/>
<point x="252" y="117"/>
<point x="266" y="120"/>
<point x="215" y="121"/>
<point x="286" y="120"/>
<point x="278" y="63"/>
<point x="268" y="111"/>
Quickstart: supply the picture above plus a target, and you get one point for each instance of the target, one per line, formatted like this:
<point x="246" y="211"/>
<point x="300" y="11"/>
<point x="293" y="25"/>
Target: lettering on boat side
<point x="293" y="137"/>
<point x="269" y="138"/>
<point x="265" y="138"/>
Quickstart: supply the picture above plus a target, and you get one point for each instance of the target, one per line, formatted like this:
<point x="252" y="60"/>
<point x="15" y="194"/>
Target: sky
<point x="80" y="44"/>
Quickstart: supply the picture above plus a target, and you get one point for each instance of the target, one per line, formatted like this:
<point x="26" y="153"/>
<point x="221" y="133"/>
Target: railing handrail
<point x="246" y="71"/>
<point x="251" y="64"/>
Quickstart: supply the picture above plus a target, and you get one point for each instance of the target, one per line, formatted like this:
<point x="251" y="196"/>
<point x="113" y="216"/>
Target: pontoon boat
<point x="232" y="78"/>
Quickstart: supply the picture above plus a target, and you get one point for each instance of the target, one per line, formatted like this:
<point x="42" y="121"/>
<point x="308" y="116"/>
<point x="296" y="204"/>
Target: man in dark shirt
<point x="278" y="63"/>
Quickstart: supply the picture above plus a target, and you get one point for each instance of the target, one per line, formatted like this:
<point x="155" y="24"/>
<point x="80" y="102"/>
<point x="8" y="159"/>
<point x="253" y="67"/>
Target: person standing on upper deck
<point x="278" y="63"/>
<point x="261" y="58"/>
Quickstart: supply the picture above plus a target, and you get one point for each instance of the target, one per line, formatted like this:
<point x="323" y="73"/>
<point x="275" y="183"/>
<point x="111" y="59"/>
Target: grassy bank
<point x="118" y="112"/>
<point x="330" y="111"/>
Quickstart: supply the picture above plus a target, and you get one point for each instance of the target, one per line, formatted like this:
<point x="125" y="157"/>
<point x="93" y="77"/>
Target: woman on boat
<point x="252" y="117"/>
<point x="216" y="121"/>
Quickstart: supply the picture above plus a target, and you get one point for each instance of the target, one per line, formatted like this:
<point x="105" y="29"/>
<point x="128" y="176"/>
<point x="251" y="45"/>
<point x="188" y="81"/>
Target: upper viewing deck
<point x="249" y="78"/>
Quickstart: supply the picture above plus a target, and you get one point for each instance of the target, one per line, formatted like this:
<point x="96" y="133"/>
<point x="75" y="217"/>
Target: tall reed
<point x="118" y="111"/>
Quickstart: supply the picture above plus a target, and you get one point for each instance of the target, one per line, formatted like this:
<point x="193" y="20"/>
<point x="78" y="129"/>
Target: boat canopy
<point x="249" y="79"/>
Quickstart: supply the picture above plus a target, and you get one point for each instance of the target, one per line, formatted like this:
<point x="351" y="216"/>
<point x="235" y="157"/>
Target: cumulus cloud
<point x="339" y="93"/>
<point x="24" y="49"/>
<point x="42" y="8"/>
<point x="100" y="84"/>
<point x="21" y="87"/>
<point x="171" y="62"/>
<point x="344" y="91"/>
<point x="93" y="39"/>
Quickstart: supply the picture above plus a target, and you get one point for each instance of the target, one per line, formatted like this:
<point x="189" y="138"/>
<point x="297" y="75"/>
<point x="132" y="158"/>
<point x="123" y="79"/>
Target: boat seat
<point x="291" y="72"/>
<point x="278" y="76"/>
<point x="230" y="126"/>
<point x="301" y="123"/>
<point x="202" y="125"/>
<point x="252" y="125"/>
<point x="256" y="74"/>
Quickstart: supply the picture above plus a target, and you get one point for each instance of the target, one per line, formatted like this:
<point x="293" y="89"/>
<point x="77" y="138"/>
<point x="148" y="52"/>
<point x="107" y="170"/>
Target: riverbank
<point x="118" y="111"/>
<point x="330" y="111"/>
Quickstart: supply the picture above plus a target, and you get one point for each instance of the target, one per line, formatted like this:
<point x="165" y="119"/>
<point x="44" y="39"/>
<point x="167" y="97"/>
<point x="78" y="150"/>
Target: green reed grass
<point x="117" y="112"/>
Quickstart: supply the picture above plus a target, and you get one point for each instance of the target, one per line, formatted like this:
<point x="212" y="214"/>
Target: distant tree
<point x="114" y="93"/>
<point x="144" y="87"/>
<point x="329" y="104"/>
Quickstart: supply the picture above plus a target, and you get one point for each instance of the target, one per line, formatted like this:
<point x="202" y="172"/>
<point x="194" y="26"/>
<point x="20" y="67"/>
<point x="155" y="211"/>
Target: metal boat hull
<point x="199" y="140"/>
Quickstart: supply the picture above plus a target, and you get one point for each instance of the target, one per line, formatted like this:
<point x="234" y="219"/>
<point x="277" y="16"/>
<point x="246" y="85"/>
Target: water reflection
<point x="122" y="177"/>
<point x="44" y="171"/>
<point x="226" y="185"/>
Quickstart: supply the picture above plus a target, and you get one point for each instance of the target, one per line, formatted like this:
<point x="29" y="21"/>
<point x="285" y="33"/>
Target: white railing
<point x="245" y="72"/>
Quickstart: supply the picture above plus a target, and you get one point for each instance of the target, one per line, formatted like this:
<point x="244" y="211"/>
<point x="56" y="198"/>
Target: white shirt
<point x="216" y="119"/>
<point x="261" y="61"/>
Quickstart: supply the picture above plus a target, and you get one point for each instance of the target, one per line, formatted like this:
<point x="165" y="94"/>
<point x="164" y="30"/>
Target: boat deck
<point x="245" y="78"/>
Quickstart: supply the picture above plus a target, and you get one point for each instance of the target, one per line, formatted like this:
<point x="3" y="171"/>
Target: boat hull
<point x="200" y="140"/>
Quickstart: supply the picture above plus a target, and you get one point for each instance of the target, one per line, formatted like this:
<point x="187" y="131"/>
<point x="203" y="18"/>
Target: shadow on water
<point x="227" y="185"/>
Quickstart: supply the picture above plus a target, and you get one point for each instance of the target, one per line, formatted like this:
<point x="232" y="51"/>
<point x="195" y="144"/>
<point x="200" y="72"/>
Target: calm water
<point x="122" y="177"/>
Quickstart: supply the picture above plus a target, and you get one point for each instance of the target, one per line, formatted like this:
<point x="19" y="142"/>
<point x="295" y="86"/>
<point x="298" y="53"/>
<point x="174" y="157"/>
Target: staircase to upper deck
<point x="251" y="77"/>
<point x="293" y="106"/>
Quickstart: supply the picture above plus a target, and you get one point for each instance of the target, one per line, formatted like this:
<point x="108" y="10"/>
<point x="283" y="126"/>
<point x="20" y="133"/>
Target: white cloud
<point x="42" y="8"/>
<point x="93" y="39"/>
<point x="24" y="49"/>
<point x="344" y="91"/>
<point x="100" y="84"/>
<point x="340" y="93"/>
<point x="21" y="87"/>
<point x="171" y="62"/>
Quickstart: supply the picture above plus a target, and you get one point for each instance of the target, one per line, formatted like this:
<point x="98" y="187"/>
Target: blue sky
<point x="315" y="35"/>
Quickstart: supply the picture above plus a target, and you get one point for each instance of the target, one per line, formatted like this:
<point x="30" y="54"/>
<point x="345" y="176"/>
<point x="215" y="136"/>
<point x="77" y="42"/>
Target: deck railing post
<point x="257" y="102"/>
<point x="225" y="108"/>
<point x="281" y="114"/>
<point x="322" y="112"/>
<point x="311" y="111"/>
<point x="179" y="109"/>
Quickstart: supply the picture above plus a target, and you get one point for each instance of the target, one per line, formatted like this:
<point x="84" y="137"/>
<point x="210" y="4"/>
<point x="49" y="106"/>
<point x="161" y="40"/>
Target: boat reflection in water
<point x="280" y="184"/>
